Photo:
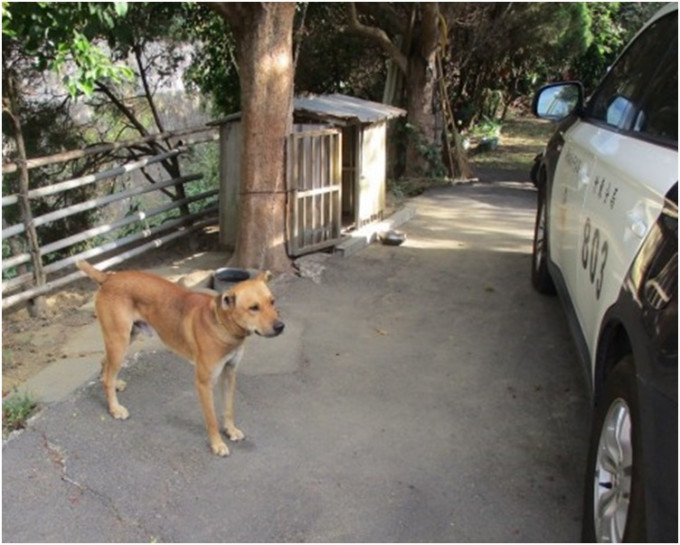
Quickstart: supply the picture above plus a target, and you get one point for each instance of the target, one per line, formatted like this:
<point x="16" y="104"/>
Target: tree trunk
<point x="264" y="51"/>
<point x="418" y="64"/>
<point x="421" y="81"/>
<point x="424" y="140"/>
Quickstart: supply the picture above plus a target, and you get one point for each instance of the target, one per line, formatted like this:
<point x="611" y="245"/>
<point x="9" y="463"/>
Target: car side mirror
<point x="558" y="100"/>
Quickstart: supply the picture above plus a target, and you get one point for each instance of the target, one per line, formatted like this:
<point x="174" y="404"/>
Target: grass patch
<point x="405" y="188"/>
<point x="15" y="411"/>
<point x="521" y="139"/>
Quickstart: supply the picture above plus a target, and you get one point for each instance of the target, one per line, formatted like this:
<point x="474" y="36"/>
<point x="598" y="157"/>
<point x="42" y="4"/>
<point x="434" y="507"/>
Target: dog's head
<point x="250" y="305"/>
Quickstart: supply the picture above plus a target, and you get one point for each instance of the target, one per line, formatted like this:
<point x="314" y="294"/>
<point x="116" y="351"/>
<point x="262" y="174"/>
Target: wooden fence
<point x="36" y="275"/>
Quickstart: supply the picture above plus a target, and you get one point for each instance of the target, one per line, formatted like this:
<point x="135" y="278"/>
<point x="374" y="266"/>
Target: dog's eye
<point x="255" y="307"/>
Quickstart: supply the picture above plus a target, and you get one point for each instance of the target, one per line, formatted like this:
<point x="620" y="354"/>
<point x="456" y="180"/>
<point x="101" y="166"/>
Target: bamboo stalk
<point x="8" y="168"/>
<point x="105" y="228"/>
<point x="124" y="241"/>
<point x="55" y="284"/>
<point x="94" y="203"/>
<point x="89" y="179"/>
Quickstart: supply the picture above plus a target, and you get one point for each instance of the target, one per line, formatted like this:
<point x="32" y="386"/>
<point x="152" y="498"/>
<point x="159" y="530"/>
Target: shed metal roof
<point x="336" y="108"/>
<point x="344" y="109"/>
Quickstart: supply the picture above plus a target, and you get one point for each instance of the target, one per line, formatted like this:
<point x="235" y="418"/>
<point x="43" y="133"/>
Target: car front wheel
<point x="540" y="276"/>
<point x="614" y="497"/>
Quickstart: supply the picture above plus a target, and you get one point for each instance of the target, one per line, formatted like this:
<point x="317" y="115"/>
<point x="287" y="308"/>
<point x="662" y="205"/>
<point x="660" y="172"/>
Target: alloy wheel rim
<point x="613" y="474"/>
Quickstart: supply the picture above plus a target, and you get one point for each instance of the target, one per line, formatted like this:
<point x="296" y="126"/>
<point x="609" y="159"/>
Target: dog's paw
<point x="120" y="385"/>
<point x="119" y="412"/>
<point x="220" y="448"/>
<point x="234" y="433"/>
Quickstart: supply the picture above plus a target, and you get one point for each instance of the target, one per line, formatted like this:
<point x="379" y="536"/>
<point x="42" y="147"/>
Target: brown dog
<point x="207" y="330"/>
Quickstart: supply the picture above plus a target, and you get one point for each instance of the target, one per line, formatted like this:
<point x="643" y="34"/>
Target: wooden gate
<point x="314" y="178"/>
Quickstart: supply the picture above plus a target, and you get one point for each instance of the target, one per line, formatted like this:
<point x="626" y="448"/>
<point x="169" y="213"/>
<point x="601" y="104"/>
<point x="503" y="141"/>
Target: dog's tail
<point x="96" y="275"/>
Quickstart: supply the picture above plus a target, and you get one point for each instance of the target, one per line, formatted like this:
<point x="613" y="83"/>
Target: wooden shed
<point x="335" y="170"/>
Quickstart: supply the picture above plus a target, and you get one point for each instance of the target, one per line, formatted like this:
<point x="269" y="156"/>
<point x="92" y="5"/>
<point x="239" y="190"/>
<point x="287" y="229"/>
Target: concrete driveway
<point x="419" y="393"/>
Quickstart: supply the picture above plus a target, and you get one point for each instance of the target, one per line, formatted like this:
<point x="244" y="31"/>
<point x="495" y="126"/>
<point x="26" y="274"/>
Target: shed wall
<point x="363" y="176"/>
<point x="370" y="198"/>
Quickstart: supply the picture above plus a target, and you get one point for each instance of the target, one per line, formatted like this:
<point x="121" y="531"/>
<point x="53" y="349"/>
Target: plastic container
<point x="226" y="277"/>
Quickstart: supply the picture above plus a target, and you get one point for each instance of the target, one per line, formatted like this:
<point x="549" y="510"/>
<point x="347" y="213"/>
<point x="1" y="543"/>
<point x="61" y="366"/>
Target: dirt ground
<point x="30" y="344"/>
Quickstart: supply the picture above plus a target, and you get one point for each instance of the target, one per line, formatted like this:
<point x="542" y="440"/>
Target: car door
<point x="573" y="174"/>
<point x="630" y="135"/>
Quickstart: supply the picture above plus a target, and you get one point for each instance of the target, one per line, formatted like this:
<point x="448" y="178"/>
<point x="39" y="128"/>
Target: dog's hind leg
<point x="116" y="340"/>
<point x="115" y="353"/>
<point x="120" y="383"/>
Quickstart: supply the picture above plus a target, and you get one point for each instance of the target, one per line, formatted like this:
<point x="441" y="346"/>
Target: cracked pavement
<point x="419" y="393"/>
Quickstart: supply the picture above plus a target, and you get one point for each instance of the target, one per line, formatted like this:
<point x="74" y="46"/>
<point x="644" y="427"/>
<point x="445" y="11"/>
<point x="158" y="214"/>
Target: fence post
<point x="36" y="306"/>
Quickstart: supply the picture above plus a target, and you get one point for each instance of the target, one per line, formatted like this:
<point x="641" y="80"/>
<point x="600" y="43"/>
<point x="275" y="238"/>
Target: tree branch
<point x="147" y="90"/>
<point x="387" y="15"/>
<point x="123" y="108"/>
<point x="235" y="13"/>
<point x="376" y="35"/>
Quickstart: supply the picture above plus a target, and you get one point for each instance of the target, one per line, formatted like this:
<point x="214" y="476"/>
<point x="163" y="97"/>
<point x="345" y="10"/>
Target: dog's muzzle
<point x="277" y="329"/>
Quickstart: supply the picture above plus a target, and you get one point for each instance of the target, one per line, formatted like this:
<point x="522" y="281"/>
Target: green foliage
<point x="85" y="43"/>
<point x="405" y="188"/>
<point x="7" y="21"/>
<point x="92" y="65"/>
<point x="16" y="409"/>
<point x="486" y="128"/>
<point x="213" y="69"/>
<point x="613" y="25"/>
<point x="500" y="52"/>
<point x="333" y="61"/>
<point x="57" y="34"/>
<point x="47" y="128"/>
<point x="431" y="153"/>
<point x="329" y="60"/>
<point x="206" y="160"/>
<point x="7" y="252"/>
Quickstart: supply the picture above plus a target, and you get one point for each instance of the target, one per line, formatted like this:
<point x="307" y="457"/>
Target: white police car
<point x="606" y="240"/>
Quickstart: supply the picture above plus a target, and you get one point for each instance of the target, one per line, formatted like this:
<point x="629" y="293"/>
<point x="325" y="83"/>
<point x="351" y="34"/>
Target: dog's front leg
<point x="228" y="392"/>
<point x="204" y="387"/>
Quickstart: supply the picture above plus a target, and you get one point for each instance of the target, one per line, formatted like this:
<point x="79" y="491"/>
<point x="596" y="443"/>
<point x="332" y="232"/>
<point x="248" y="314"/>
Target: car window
<point x="618" y="99"/>
<point x="658" y="117"/>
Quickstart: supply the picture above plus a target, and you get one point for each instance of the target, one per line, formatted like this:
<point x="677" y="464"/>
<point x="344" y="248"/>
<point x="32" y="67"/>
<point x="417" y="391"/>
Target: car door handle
<point x="636" y="224"/>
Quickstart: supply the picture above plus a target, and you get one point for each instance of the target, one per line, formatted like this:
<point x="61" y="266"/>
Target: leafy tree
<point x="213" y="67"/>
<point x="89" y="44"/>
<point x="499" y="51"/>
<point x="411" y="35"/>
<point x="332" y="61"/>
<point x="36" y="37"/>
<point x="57" y="34"/>
<point x="613" y="25"/>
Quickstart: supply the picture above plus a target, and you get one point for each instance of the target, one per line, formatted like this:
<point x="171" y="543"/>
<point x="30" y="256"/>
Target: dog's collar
<point x="229" y="327"/>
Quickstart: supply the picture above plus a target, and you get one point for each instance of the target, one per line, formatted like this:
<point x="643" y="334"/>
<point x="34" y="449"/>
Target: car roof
<point x="665" y="10"/>
<point x="662" y="12"/>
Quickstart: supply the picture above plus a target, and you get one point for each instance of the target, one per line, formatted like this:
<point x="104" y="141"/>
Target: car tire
<point x="540" y="276"/>
<point x="613" y="505"/>
<point x="535" y="169"/>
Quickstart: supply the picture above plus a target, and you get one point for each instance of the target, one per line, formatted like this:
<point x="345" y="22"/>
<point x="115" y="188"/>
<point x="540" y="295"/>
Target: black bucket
<point x="225" y="278"/>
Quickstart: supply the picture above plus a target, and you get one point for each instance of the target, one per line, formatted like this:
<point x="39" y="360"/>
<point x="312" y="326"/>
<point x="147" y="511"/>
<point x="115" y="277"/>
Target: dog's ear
<point x="227" y="300"/>
<point x="264" y="276"/>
